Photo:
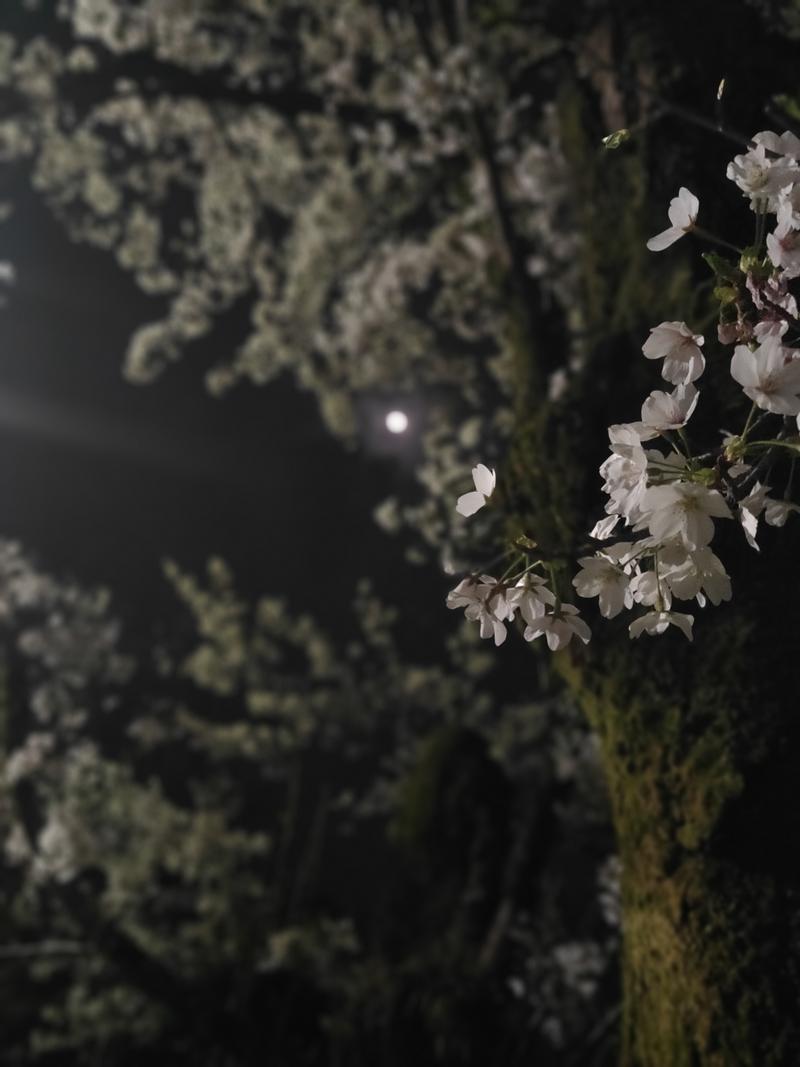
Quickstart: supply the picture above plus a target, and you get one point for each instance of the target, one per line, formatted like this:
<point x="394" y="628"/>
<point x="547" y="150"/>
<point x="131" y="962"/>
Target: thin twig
<point x="693" y="117"/>
<point x="41" y="949"/>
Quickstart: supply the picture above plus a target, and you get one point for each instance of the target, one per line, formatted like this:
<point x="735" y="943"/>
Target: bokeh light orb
<point x="397" y="422"/>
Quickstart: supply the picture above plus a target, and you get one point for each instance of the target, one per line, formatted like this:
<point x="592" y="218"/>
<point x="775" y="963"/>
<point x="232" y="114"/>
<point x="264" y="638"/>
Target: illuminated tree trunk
<point x="700" y="741"/>
<point x="701" y="746"/>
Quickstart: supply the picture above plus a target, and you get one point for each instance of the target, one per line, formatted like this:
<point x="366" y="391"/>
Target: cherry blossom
<point x="484" y="480"/>
<point x="776" y="512"/>
<point x="656" y="622"/>
<point x="748" y="511"/>
<point x="760" y="176"/>
<point x="769" y="325"/>
<point x="531" y="597"/>
<point x="785" y="144"/>
<point x="465" y="593"/>
<point x="682" y="214"/>
<point x="559" y="628"/>
<point x="646" y="589"/>
<point x="769" y="295"/>
<point x="783" y="245"/>
<point x="625" y="471"/>
<point x="694" y="575"/>
<point x="684" y="510"/>
<point x="669" y="411"/>
<point x="789" y="203"/>
<point x="484" y="601"/>
<point x="679" y="347"/>
<point x="601" y="576"/>
<point x="604" y="528"/>
<point x="769" y="375"/>
<point x="672" y="498"/>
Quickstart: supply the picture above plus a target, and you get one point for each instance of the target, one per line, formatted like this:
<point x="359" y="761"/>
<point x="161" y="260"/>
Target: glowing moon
<point x="397" y="422"/>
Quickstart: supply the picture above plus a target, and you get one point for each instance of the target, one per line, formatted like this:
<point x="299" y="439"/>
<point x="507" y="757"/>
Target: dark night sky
<point x="102" y="479"/>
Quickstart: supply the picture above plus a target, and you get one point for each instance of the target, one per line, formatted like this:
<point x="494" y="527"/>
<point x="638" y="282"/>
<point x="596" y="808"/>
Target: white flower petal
<point x="750" y="526"/>
<point x="776" y="512"/>
<point x="664" y="239"/>
<point x="469" y="503"/>
<point x="683" y="622"/>
<point x="484" y="479"/>
<point x="682" y="213"/>
<point x="681" y="371"/>
<point x="532" y="632"/>
<point x="603" y="529"/>
<point x="675" y="343"/>
<point x="689" y="207"/>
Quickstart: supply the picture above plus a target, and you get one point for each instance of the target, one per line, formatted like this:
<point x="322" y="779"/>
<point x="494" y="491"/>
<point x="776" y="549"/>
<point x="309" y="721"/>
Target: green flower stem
<point x="715" y="240"/>
<point x="685" y="440"/>
<point x="658" y="582"/>
<point x="554" y="584"/>
<point x="747" y="425"/>
<point x="515" y="563"/>
<point x="793" y="446"/>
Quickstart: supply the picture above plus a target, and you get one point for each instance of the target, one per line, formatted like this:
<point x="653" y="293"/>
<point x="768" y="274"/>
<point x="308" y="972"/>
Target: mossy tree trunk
<point x="701" y="746"/>
<point x="701" y="741"/>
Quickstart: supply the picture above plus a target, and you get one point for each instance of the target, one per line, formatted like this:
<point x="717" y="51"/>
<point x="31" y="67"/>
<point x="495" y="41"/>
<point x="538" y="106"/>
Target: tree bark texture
<point x="700" y="741"/>
<point x="700" y="745"/>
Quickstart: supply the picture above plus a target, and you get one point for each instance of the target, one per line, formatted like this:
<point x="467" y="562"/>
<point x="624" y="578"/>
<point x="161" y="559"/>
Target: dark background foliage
<point x="345" y="839"/>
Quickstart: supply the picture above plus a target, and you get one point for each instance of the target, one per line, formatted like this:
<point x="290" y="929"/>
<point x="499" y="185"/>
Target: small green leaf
<point x="752" y="262"/>
<point x="525" y="542"/>
<point x="704" y="476"/>
<point x="723" y="268"/>
<point x="734" y="449"/>
<point x="614" y="140"/>
<point x="726" y="294"/>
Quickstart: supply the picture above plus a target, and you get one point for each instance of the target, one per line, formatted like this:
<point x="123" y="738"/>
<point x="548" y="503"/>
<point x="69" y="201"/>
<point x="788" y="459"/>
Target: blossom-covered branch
<point x="663" y="502"/>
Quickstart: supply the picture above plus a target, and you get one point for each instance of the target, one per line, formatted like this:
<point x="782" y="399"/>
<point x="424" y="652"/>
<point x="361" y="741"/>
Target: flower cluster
<point x="493" y="602"/>
<point x="663" y="495"/>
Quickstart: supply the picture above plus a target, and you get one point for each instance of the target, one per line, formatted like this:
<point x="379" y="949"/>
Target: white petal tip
<point x="469" y="503"/>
